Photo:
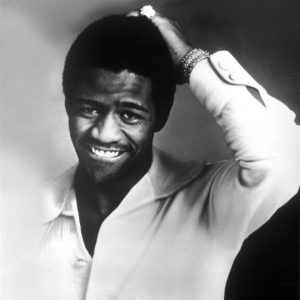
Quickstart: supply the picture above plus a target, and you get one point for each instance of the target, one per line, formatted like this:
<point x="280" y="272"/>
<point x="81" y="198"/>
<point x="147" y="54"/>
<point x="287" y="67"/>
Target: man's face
<point x="111" y="121"/>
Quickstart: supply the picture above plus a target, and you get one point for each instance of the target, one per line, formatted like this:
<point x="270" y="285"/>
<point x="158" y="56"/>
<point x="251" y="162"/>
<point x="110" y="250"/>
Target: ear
<point x="161" y="120"/>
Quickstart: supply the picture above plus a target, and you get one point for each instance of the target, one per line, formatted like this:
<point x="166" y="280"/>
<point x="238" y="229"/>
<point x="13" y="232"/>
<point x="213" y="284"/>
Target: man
<point x="131" y="222"/>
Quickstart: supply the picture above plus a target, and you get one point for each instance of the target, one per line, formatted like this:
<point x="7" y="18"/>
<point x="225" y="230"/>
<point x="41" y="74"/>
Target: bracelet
<point x="189" y="61"/>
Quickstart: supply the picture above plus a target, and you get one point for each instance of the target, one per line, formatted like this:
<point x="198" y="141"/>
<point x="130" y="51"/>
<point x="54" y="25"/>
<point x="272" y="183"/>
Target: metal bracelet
<point x="189" y="61"/>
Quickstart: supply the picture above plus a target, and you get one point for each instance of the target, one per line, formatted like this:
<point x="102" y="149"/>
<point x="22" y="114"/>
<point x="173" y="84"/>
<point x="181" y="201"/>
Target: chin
<point x="106" y="173"/>
<point x="100" y="178"/>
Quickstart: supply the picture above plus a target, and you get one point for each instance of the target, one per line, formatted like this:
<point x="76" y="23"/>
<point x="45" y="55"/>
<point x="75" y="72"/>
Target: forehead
<point x="93" y="82"/>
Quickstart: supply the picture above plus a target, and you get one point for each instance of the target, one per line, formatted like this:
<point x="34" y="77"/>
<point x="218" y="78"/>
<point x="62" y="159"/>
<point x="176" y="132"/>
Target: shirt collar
<point x="165" y="177"/>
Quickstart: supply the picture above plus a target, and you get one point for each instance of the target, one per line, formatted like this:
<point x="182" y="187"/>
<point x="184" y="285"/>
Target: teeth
<point x="105" y="154"/>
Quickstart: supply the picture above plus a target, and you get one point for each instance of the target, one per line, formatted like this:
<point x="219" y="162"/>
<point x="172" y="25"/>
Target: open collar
<point x="165" y="177"/>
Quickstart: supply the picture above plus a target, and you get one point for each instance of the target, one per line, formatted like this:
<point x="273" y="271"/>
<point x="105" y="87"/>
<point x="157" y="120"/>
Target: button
<point x="225" y="65"/>
<point x="80" y="262"/>
<point x="234" y="76"/>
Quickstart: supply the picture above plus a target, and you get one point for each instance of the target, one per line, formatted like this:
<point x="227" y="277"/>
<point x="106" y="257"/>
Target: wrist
<point x="189" y="61"/>
<point x="181" y="53"/>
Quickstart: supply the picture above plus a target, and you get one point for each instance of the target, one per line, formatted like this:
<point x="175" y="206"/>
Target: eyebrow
<point x="130" y="104"/>
<point x="122" y="103"/>
<point x="89" y="101"/>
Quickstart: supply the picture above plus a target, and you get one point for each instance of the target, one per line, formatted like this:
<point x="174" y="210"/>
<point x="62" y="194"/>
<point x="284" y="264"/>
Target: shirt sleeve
<point x="264" y="140"/>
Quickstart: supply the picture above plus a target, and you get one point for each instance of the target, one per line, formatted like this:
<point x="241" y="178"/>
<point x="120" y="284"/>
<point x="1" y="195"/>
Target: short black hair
<point x="118" y="43"/>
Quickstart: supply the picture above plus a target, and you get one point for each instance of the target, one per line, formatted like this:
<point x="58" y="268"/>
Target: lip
<point x="105" y="154"/>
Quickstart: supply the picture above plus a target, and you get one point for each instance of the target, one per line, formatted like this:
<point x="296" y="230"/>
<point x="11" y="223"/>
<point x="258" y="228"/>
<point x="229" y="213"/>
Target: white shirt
<point x="176" y="233"/>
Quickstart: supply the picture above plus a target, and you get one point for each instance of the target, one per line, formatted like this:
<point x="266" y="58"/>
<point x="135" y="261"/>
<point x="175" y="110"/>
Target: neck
<point x="104" y="198"/>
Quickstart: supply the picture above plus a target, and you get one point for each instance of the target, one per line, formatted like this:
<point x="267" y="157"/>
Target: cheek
<point x="78" y="127"/>
<point x="141" y="135"/>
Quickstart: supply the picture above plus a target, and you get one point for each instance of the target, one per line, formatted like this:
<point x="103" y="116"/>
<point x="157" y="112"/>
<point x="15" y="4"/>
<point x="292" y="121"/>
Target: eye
<point x="130" y="117"/>
<point x="88" y="111"/>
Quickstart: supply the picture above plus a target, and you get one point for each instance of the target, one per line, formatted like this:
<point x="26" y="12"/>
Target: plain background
<point x="35" y="36"/>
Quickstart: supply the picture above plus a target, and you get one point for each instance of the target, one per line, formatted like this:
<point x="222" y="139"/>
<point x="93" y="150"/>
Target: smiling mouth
<point x="106" y="154"/>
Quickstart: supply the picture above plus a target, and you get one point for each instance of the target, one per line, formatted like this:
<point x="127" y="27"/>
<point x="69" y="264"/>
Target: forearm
<point x="265" y="143"/>
<point x="261" y="135"/>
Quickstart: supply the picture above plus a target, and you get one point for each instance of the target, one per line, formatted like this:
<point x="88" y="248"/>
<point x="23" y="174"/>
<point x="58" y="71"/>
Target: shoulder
<point x="210" y="173"/>
<point x="55" y="192"/>
<point x="170" y="174"/>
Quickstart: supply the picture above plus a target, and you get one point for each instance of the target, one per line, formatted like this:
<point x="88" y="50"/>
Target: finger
<point x="134" y="13"/>
<point x="146" y="11"/>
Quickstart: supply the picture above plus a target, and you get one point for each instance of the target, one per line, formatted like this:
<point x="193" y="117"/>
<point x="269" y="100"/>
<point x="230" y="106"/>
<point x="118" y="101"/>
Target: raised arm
<point x="260" y="131"/>
<point x="263" y="137"/>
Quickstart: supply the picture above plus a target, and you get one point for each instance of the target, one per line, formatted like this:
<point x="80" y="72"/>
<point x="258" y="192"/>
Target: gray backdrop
<point x="35" y="36"/>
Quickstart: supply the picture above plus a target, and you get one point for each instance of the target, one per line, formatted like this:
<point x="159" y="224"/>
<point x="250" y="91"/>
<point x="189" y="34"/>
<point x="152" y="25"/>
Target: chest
<point x="160" y="251"/>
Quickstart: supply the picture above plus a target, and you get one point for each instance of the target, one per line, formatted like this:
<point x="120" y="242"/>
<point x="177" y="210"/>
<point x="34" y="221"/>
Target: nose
<point x="106" y="130"/>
